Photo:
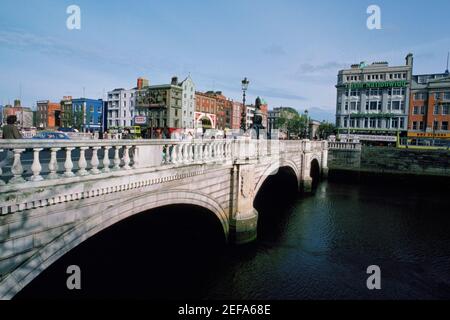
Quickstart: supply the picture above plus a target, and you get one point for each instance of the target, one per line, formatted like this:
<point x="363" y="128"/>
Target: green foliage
<point x="293" y="122"/>
<point x="326" y="129"/>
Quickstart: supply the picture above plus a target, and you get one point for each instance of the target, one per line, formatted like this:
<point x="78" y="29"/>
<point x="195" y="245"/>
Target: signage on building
<point x="385" y="84"/>
<point x="367" y="137"/>
<point x="429" y="135"/>
<point x="140" y="120"/>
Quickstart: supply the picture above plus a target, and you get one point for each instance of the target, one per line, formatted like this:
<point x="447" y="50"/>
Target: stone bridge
<point x="56" y="194"/>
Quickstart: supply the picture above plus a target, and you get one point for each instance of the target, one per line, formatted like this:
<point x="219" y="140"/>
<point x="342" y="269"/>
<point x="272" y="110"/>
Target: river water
<point x="309" y="247"/>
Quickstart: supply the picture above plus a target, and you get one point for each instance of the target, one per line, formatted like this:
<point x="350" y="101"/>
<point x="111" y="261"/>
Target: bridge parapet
<point x="40" y="164"/>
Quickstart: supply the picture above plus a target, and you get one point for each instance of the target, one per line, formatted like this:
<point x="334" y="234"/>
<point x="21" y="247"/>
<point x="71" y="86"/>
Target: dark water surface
<point x="309" y="247"/>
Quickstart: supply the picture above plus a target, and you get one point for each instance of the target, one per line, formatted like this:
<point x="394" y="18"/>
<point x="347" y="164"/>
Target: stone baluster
<point x="135" y="153"/>
<point x="205" y="147"/>
<point x="191" y="152"/>
<point x="82" y="163"/>
<point x="222" y="150"/>
<point x="196" y="152"/>
<point x="53" y="164"/>
<point x="106" y="161"/>
<point x="36" y="167"/>
<point x="17" y="169"/>
<point x="215" y="150"/>
<point x="185" y="153"/>
<point x="211" y="150"/>
<point x="94" y="161"/>
<point x="116" y="158"/>
<point x="68" y="164"/>
<point x="126" y="157"/>
<point x="175" y="154"/>
<point x="200" y="152"/>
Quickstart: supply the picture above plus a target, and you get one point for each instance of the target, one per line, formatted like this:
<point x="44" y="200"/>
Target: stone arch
<point x="314" y="170"/>
<point x="65" y="242"/>
<point x="273" y="168"/>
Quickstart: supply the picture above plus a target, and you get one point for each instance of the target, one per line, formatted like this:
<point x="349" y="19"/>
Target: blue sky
<point x="291" y="50"/>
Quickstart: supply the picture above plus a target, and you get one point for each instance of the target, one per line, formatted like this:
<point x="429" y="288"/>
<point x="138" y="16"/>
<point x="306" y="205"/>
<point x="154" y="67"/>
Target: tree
<point x="326" y="129"/>
<point x="292" y="122"/>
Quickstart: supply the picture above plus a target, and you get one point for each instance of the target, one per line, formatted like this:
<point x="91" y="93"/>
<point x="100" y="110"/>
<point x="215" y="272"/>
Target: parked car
<point x="51" y="136"/>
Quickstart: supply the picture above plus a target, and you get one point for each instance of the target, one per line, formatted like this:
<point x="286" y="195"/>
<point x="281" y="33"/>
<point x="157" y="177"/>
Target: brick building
<point x="236" y="114"/>
<point x="48" y="115"/>
<point x="429" y="115"/>
<point x="205" y="111"/>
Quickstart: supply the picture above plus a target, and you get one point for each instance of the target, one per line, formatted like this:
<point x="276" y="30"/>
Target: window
<point x="396" y="105"/>
<point x="397" y="91"/>
<point x="355" y="93"/>
<point x="444" y="125"/>
<point x="375" y="92"/>
<point x="445" y="108"/>
<point x="419" y="96"/>
<point x="437" y="95"/>
<point x="446" y="95"/>
<point x="435" y="125"/>
<point x="402" y="123"/>
<point x="414" y="127"/>
<point x="353" y="106"/>
<point x="373" y="123"/>
<point x="395" y="123"/>
<point x="374" y="105"/>
<point x="436" y="109"/>
<point x="416" y="110"/>
<point x="422" y="109"/>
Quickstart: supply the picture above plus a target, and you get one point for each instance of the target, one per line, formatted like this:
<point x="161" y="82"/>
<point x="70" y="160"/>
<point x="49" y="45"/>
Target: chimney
<point x="174" y="81"/>
<point x="142" y="83"/>
<point x="409" y="60"/>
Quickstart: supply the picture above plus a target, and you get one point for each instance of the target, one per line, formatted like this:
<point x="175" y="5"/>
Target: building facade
<point x="161" y="105"/>
<point x="236" y="114"/>
<point x="205" y="111"/>
<point x="188" y="103"/>
<point x="87" y="114"/>
<point x="373" y="100"/>
<point x="66" y="112"/>
<point x="429" y="115"/>
<point x="120" y="105"/>
<point x="48" y="115"/>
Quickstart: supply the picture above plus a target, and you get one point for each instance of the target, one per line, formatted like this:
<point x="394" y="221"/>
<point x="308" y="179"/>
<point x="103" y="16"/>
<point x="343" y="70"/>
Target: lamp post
<point x="245" y="83"/>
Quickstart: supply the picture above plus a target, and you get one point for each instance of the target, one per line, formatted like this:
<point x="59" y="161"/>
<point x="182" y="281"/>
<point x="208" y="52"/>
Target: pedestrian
<point x="10" y="131"/>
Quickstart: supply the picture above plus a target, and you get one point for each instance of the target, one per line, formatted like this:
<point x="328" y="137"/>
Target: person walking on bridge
<point x="10" y="131"/>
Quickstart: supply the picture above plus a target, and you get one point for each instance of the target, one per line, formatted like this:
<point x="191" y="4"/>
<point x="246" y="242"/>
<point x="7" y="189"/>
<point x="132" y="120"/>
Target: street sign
<point x="140" y="120"/>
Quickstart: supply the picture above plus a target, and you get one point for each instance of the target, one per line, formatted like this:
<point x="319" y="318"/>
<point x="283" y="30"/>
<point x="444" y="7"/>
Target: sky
<point x="290" y="50"/>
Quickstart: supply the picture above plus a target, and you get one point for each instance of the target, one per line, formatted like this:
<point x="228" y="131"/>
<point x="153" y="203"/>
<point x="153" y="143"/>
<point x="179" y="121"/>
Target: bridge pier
<point x="243" y="227"/>
<point x="244" y="218"/>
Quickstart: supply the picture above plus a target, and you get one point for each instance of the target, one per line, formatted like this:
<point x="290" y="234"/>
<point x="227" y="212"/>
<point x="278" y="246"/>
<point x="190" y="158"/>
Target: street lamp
<point x="245" y="83"/>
